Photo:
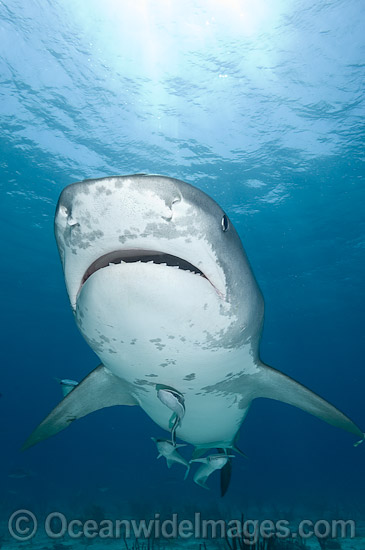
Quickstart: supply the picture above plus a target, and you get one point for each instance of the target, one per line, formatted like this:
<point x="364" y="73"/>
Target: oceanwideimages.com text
<point x="24" y="525"/>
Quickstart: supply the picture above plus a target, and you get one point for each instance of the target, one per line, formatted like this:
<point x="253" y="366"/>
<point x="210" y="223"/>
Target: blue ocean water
<point x="260" y="104"/>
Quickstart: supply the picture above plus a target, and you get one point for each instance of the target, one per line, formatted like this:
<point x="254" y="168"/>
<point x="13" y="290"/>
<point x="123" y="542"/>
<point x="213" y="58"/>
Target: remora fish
<point x="209" y="465"/>
<point x="162" y="291"/>
<point x="169" y="451"/>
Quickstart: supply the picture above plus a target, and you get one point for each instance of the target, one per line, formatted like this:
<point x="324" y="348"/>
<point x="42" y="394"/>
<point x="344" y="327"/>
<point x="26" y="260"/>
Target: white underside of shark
<point x="162" y="291"/>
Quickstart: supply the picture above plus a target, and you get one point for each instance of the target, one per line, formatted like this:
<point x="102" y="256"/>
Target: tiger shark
<point x="162" y="291"/>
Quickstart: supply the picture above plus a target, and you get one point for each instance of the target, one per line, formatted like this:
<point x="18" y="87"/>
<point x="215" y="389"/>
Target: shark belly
<point x="167" y="340"/>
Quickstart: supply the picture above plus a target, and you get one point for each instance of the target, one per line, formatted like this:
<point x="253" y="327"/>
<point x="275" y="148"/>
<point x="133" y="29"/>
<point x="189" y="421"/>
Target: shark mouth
<point x="145" y="256"/>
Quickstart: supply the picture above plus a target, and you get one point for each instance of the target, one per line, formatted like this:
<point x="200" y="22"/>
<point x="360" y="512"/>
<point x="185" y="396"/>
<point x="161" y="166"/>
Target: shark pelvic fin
<point x="273" y="384"/>
<point x="98" y="390"/>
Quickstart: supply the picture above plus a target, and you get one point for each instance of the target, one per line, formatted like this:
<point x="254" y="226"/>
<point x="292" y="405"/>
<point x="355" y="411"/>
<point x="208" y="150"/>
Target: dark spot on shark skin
<point x="127" y="235"/>
<point x="103" y="190"/>
<point x="104" y="338"/>
<point x="83" y="189"/>
<point x="232" y="385"/>
<point x="132" y="342"/>
<point x="111" y="350"/>
<point x="205" y="307"/>
<point x="183" y="339"/>
<point x="168" y="362"/>
<point x="171" y="337"/>
<point x="191" y="376"/>
<point x="157" y="342"/>
<point x="84" y="239"/>
<point x="142" y="382"/>
<point x="96" y="345"/>
<point x="152" y="375"/>
<point x="186" y="223"/>
<point x="229" y="374"/>
<point x="213" y="343"/>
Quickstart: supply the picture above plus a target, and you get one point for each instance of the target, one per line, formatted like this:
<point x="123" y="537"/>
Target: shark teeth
<point x="151" y="262"/>
<point x="138" y="256"/>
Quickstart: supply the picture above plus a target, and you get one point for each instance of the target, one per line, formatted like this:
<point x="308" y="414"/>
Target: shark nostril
<point x="171" y="213"/>
<point x="71" y="221"/>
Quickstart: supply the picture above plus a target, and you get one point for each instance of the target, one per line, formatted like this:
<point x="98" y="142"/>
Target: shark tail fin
<point x="275" y="385"/>
<point x="98" y="390"/>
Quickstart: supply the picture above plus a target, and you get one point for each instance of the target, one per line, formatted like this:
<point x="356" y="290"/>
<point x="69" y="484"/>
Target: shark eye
<point x="225" y="223"/>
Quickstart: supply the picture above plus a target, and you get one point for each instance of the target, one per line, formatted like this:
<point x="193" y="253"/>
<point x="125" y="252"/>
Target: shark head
<point x="165" y="243"/>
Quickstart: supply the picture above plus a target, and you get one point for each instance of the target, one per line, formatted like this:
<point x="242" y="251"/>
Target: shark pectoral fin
<point x="187" y="472"/>
<point x="169" y="462"/>
<point x="275" y="385"/>
<point x="98" y="390"/>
